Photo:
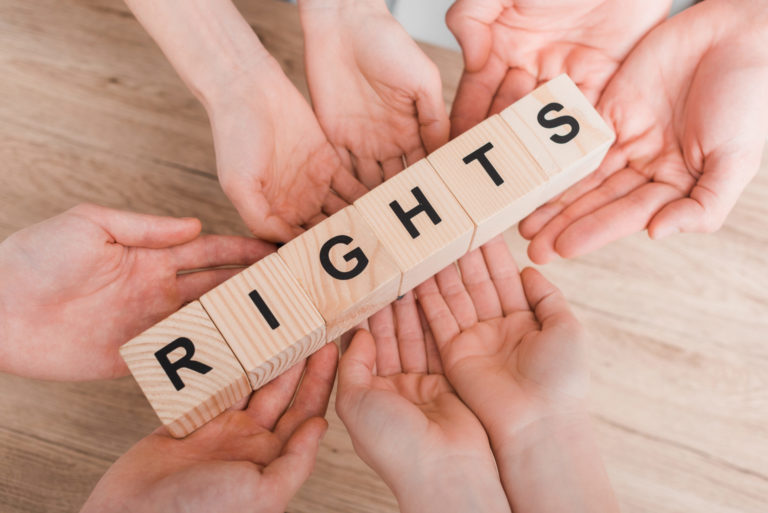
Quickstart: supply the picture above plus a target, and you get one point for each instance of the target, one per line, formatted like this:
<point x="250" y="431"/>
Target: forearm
<point x="207" y="41"/>
<point x="554" y="466"/>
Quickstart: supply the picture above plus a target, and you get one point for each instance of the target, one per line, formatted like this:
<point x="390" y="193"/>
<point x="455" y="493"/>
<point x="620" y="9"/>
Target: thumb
<point x="142" y="230"/>
<point x="357" y="364"/>
<point x="706" y="207"/>
<point x="469" y="21"/>
<point x="287" y="473"/>
<point x="433" y="117"/>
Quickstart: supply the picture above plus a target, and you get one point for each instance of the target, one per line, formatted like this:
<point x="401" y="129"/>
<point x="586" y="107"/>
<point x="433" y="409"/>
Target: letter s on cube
<point x="186" y="370"/>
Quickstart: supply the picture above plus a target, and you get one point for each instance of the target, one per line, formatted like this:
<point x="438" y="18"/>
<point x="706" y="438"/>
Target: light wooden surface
<point x="435" y="245"/>
<point x="264" y="350"/>
<point x="199" y="396"/>
<point x="372" y="276"/>
<point x="91" y="111"/>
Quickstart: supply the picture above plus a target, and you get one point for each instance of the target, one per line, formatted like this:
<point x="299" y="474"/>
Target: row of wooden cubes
<point x="248" y="330"/>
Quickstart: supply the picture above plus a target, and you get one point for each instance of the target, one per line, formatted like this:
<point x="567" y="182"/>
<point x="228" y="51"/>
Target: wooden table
<point x="91" y="111"/>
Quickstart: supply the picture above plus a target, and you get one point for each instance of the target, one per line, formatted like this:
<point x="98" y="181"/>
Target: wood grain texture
<point x="343" y="303"/>
<point x="91" y="111"/>
<point x="492" y="205"/>
<point x="436" y="244"/>
<point x="264" y="350"/>
<point x="204" y="395"/>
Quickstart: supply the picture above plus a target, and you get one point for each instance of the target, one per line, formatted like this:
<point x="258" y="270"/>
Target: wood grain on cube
<point x="419" y="221"/>
<point x="266" y="318"/>
<point x="346" y="271"/>
<point x="205" y="378"/>
<point x="558" y="117"/>
<point x="492" y="175"/>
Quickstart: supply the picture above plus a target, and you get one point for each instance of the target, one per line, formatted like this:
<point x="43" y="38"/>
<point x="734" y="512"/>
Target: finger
<point x="410" y="338"/>
<point x="516" y="84"/>
<point x="332" y="204"/>
<point x="505" y="276"/>
<point x="542" y="247"/>
<point x="441" y="322"/>
<point x="315" y="220"/>
<point x="216" y="250"/>
<point x="258" y="217"/>
<point x="547" y="302"/>
<point x="269" y="402"/>
<point x="141" y="230"/>
<point x="414" y="155"/>
<point x="456" y="297"/>
<point x="347" y="186"/>
<point x="469" y="21"/>
<point x="477" y="281"/>
<point x="314" y="391"/>
<point x="286" y="474"/>
<point x="711" y="199"/>
<point x="624" y="216"/>
<point x="193" y="285"/>
<point x="368" y="171"/>
<point x="475" y="95"/>
<point x="434" y="125"/>
<point x="356" y="367"/>
<point x="382" y="326"/>
<point x="434" y="363"/>
<point x="391" y="167"/>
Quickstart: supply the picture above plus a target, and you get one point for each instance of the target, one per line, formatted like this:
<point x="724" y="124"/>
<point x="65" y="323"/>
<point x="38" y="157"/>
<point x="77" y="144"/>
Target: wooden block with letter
<point x="266" y="318"/>
<point x="346" y="271"/>
<point x="419" y="221"/>
<point x="492" y="175"/>
<point x="186" y="370"/>
<point x="557" y="120"/>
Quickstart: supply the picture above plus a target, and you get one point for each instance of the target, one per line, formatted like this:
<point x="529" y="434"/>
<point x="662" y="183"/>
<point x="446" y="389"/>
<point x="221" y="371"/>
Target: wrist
<point x="340" y="5"/>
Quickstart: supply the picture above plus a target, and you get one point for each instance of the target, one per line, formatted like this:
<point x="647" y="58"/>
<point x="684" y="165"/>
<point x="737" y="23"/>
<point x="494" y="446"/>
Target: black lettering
<point x="407" y="217"/>
<point x="558" y="121"/>
<point x="264" y="309"/>
<point x="356" y="254"/>
<point x="479" y="155"/>
<point x="172" y="368"/>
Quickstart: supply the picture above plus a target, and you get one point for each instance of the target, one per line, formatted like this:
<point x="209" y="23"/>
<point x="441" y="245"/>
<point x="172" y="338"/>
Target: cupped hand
<point x="511" y="46"/>
<point x="688" y="107"/>
<point x="406" y="421"/>
<point x="274" y="161"/>
<point x="254" y="459"/>
<point x="377" y="96"/>
<point x="77" y="286"/>
<point x="507" y="340"/>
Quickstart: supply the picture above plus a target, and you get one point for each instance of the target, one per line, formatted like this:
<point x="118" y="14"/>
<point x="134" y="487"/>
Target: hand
<point x="252" y="460"/>
<point x="77" y="286"/>
<point x="511" y="46"/>
<point x="377" y="96"/>
<point x="688" y="107"/>
<point x="407" y="423"/>
<point x="274" y="161"/>
<point x="514" y="353"/>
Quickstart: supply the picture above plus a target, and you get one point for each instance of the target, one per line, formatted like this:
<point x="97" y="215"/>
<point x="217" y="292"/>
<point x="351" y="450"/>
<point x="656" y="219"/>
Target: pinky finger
<point x="193" y="285"/>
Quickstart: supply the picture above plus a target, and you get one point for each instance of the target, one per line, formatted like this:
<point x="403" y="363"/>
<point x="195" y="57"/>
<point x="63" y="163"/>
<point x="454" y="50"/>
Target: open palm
<point x="382" y="102"/>
<point x="688" y="107"/>
<point x="512" y="46"/>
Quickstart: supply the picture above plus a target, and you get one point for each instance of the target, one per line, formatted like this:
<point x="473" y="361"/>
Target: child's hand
<point x="407" y="423"/>
<point x="252" y="460"/>
<point x="514" y="353"/>
<point x="77" y="286"/>
<point x="511" y="46"/>
<point x="376" y="95"/>
<point x="689" y="110"/>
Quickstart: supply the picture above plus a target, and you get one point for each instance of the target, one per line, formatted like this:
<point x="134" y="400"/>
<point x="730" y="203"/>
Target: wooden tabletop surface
<point x="91" y="111"/>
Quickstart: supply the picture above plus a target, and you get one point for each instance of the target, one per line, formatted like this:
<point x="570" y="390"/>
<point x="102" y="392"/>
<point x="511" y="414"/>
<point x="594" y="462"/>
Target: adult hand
<point x="77" y="286"/>
<point x="407" y="423"/>
<point x="377" y="96"/>
<point x="511" y="46"/>
<point x="514" y="353"/>
<point x="688" y="107"/>
<point x="251" y="460"/>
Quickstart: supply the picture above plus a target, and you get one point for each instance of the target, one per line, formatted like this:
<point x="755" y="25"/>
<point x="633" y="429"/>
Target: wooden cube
<point x="186" y="370"/>
<point x="492" y="175"/>
<point x="266" y="318"/>
<point x="558" y="120"/>
<point x="346" y="271"/>
<point x="419" y="221"/>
